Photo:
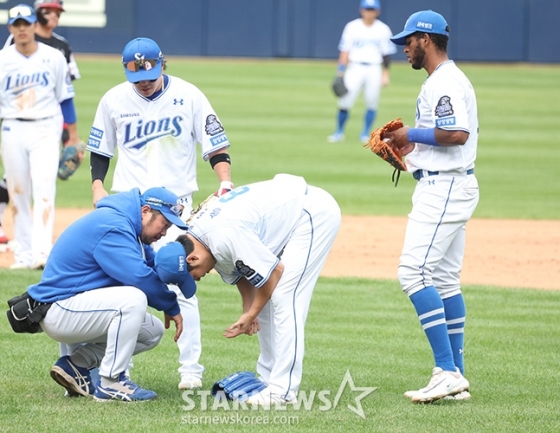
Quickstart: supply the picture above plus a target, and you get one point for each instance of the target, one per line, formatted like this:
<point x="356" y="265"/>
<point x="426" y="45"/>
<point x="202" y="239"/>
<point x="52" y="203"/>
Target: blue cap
<point x="142" y="60"/>
<point x="370" y="4"/>
<point x="423" y="21"/>
<point x="21" y="12"/>
<point x="166" y="202"/>
<point x="171" y="267"/>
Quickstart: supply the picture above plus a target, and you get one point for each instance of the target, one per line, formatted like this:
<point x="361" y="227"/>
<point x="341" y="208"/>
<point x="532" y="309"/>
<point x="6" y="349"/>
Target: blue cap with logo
<point x="166" y="202"/>
<point x="142" y="60"/>
<point x="171" y="267"/>
<point x="21" y="12"/>
<point x="425" y="22"/>
<point x="370" y="4"/>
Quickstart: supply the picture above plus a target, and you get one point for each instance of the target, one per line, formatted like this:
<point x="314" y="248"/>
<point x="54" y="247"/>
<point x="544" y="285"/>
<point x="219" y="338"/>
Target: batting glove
<point x="225" y="187"/>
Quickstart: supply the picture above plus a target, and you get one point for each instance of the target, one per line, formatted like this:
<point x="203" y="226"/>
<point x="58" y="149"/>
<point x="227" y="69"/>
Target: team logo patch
<point x="213" y="125"/>
<point x="444" y="107"/>
<point x="243" y="269"/>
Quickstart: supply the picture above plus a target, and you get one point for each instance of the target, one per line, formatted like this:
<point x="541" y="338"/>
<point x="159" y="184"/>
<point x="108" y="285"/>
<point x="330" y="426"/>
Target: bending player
<point x="271" y="239"/>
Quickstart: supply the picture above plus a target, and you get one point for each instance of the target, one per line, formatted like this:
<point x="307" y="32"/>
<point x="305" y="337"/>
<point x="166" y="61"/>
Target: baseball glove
<point x="69" y="160"/>
<point x="338" y="86"/>
<point x="384" y="150"/>
<point x="238" y="386"/>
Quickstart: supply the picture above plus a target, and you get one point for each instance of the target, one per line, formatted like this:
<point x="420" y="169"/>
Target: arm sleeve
<point x="68" y="111"/>
<point x="99" y="166"/>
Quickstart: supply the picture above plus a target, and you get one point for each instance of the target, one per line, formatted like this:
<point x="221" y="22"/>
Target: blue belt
<point x="419" y="174"/>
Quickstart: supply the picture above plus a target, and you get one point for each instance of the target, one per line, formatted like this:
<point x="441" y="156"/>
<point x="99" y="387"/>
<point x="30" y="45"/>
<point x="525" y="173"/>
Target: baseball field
<point x="362" y="332"/>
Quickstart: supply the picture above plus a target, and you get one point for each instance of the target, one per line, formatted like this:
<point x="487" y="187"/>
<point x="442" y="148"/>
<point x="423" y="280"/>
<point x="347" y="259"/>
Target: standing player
<point x="155" y="121"/>
<point x="48" y="12"/>
<point x="36" y="95"/>
<point x="441" y="154"/>
<point x="365" y="55"/>
<point x="271" y="239"/>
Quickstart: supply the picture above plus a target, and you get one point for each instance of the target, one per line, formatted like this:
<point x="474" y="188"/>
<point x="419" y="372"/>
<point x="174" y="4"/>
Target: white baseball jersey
<point x="367" y="44"/>
<point x="33" y="87"/>
<point x="156" y="138"/>
<point x="447" y="101"/>
<point x="260" y="219"/>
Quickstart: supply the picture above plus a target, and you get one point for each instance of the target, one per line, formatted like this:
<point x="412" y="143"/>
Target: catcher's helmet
<point x="55" y="4"/>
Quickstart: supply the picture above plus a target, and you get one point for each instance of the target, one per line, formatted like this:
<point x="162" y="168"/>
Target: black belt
<point x="419" y="174"/>
<point x="20" y="119"/>
<point x="364" y="63"/>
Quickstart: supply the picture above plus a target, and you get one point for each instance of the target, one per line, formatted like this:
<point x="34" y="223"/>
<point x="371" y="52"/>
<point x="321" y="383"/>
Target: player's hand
<point x="244" y="325"/>
<point x="178" y="319"/>
<point x="98" y="192"/>
<point x="225" y="187"/>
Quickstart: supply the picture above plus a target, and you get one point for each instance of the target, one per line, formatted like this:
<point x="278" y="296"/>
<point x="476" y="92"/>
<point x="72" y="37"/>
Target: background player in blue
<point x="364" y="59"/>
<point x="440" y="153"/>
<point x="155" y="120"/>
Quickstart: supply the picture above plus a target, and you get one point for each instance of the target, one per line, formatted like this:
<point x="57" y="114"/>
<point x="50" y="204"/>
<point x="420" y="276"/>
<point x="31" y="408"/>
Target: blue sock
<point x="429" y="307"/>
<point x="455" y="312"/>
<point x="369" y="118"/>
<point x="341" y="120"/>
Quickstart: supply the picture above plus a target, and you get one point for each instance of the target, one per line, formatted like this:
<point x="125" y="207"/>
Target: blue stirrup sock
<point x="455" y="313"/>
<point x="341" y="120"/>
<point x="369" y="118"/>
<point x="431" y="313"/>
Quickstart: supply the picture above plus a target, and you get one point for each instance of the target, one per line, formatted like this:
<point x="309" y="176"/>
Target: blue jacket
<point x="103" y="249"/>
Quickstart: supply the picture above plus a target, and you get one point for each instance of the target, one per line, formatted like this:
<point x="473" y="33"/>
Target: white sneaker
<point x="465" y="395"/>
<point x="190" y="382"/>
<point x="336" y="137"/>
<point x="442" y="384"/>
<point x="20" y="265"/>
<point x="267" y="399"/>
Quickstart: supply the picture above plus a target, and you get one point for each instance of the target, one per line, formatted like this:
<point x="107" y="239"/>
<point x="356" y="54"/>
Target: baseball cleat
<point x="76" y="380"/>
<point x="442" y="384"/>
<point x="462" y="396"/>
<point x="267" y="399"/>
<point x="336" y="137"/>
<point x="190" y="382"/>
<point x="123" y="390"/>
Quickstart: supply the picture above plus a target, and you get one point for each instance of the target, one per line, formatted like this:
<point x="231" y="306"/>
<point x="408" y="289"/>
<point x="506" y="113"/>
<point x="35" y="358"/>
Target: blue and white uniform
<point x="31" y="90"/>
<point x="101" y="285"/>
<point x="248" y="231"/>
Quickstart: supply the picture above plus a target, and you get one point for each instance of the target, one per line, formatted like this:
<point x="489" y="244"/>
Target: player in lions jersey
<point x="155" y="121"/>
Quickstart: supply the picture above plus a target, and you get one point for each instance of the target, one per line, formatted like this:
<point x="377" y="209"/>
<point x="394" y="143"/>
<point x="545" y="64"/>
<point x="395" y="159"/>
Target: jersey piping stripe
<point x="294" y="303"/>
<point x="435" y="232"/>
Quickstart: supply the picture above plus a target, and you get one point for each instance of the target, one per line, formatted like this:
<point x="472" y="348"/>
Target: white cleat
<point x="267" y="399"/>
<point x="462" y="396"/>
<point x="336" y="137"/>
<point x="190" y="382"/>
<point x="442" y="384"/>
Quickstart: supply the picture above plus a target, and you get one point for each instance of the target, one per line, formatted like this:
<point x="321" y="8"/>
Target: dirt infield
<point x="507" y="253"/>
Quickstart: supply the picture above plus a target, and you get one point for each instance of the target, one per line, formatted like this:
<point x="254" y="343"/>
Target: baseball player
<point x="48" y="12"/>
<point x="155" y="121"/>
<point x="271" y="239"/>
<point x="440" y="152"/>
<point x="36" y="95"/>
<point x="365" y="54"/>
<point x="99" y="280"/>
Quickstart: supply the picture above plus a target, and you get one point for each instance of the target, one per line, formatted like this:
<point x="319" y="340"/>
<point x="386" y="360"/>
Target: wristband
<point x="341" y="68"/>
<point x="422" y="136"/>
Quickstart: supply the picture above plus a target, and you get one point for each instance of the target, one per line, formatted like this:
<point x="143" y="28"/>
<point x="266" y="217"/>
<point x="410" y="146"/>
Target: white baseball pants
<point x="282" y="319"/>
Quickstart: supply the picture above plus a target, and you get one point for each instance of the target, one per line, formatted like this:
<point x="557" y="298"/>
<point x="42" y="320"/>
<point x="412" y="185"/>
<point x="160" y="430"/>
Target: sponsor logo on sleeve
<point x="253" y="277"/>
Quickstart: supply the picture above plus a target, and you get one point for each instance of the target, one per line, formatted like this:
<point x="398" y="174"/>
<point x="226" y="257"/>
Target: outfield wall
<point x="482" y="30"/>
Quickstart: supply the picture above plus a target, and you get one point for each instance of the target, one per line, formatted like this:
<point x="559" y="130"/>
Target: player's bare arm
<point x="261" y="298"/>
<point x="248" y="293"/>
<point x="221" y="164"/>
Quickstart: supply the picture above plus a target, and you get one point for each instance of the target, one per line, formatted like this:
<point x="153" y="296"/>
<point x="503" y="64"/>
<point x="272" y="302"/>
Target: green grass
<point x="278" y="113"/>
<point x="366" y="327"/>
